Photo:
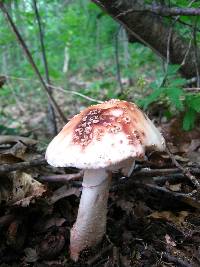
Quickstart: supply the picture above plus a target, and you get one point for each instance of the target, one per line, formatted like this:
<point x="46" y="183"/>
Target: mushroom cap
<point x="104" y="135"/>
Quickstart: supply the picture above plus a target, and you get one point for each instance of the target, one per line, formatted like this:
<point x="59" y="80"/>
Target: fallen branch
<point x="185" y="198"/>
<point x="5" y="168"/>
<point x="105" y="250"/>
<point x="9" y="139"/>
<point x="164" y="11"/>
<point x="174" y="178"/>
<point x="176" y="260"/>
<point x="154" y="172"/>
<point x="62" y="192"/>
<point x="62" y="177"/>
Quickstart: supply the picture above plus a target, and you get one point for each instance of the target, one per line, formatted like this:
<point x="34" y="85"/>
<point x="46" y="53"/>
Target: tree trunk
<point x="149" y="29"/>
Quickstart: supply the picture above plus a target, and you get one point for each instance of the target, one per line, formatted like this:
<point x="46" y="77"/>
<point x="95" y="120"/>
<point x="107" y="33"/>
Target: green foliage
<point x="90" y="37"/>
<point x="169" y="89"/>
<point x="192" y="107"/>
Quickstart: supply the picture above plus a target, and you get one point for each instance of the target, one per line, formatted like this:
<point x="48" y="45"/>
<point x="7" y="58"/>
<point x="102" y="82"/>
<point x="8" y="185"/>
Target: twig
<point x="30" y="58"/>
<point x="175" y="177"/>
<point x="51" y="112"/>
<point x="5" y="168"/>
<point x="9" y="139"/>
<point x="164" y="11"/>
<point x="154" y="172"/>
<point x="196" y="53"/>
<point x="59" y="88"/>
<point x="192" y="80"/>
<point x="186" y="171"/>
<point x="91" y="261"/>
<point x="62" y="192"/>
<point x="186" y="54"/>
<point x="192" y="90"/>
<point x="117" y="61"/>
<point x="137" y="36"/>
<point x="185" y="198"/>
<point x="177" y="261"/>
<point x="75" y="93"/>
<point x="62" y="177"/>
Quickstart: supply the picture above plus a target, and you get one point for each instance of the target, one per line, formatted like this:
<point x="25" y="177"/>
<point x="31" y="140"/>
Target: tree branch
<point x="164" y="11"/>
<point x="30" y="58"/>
<point x="152" y="32"/>
<point x="51" y="112"/>
<point x="5" y="168"/>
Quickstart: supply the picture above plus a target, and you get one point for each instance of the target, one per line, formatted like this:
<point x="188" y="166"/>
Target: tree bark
<point x="150" y="29"/>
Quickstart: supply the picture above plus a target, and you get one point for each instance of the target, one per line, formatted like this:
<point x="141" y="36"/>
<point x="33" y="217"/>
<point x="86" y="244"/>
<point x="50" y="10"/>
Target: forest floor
<point x="153" y="216"/>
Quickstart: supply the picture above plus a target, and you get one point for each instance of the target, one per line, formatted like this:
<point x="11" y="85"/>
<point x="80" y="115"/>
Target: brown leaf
<point x="169" y="241"/>
<point x="20" y="188"/>
<point x="127" y="206"/>
<point x="170" y="216"/>
<point x="31" y="255"/>
<point x="174" y="187"/>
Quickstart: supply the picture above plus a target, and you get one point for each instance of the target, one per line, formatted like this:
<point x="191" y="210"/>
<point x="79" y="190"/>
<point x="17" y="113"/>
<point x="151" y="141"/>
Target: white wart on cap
<point x="103" y="135"/>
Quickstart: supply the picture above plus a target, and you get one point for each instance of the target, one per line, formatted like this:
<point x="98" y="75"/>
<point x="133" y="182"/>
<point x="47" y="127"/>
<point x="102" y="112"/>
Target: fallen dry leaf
<point x="31" y="255"/>
<point x="169" y="241"/>
<point x="170" y="216"/>
<point x="20" y="188"/>
<point x="127" y="206"/>
<point x="174" y="187"/>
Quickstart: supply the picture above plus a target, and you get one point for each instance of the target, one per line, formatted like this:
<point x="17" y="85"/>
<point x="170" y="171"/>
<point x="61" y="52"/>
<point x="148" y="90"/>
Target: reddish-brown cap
<point x="104" y="135"/>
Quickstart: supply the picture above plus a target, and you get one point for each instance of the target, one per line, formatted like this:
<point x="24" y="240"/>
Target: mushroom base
<point x="90" y="225"/>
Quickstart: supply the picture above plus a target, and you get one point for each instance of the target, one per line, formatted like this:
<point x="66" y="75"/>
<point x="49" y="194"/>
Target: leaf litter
<point x="150" y="223"/>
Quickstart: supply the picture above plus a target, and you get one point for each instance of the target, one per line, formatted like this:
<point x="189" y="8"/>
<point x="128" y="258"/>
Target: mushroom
<point x="101" y="139"/>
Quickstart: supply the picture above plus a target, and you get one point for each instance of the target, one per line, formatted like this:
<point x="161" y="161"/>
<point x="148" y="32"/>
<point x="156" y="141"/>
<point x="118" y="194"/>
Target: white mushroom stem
<point x="90" y="224"/>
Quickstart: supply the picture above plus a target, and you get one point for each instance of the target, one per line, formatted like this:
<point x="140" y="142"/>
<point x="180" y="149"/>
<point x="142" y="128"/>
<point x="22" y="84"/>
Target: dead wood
<point x="177" y="261"/>
<point x="185" y="171"/>
<point x="150" y="30"/>
<point x="92" y="260"/>
<point x="10" y="139"/>
<point x="159" y="172"/>
<point x="62" y="177"/>
<point x="62" y="192"/>
<point x="5" y="168"/>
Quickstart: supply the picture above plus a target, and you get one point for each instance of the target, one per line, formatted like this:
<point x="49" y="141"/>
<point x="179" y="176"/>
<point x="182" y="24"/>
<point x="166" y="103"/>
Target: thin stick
<point x="9" y="139"/>
<point x="5" y="168"/>
<point x="62" y="177"/>
<point x="186" y="171"/>
<point x="58" y="88"/>
<point x="30" y="58"/>
<point x="91" y="261"/>
<point x="76" y="93"/>
<point x="176" y="260"/>
<point x="62" y="192"/>
<point x="117" y="61"/>
<point x="51" y="112"/>
<point x="164" y="11"/>
<point x="196" y="53"/>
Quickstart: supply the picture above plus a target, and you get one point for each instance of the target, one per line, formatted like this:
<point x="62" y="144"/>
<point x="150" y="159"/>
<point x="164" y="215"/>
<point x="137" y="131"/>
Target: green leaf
<point x="173" y="69"/>
<point x="194" y="102"/>
<point x="189" y="120"/>
<point x="174" y="95"/>
<point x="178" y="82"/>
<point x="150" y="99"/>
